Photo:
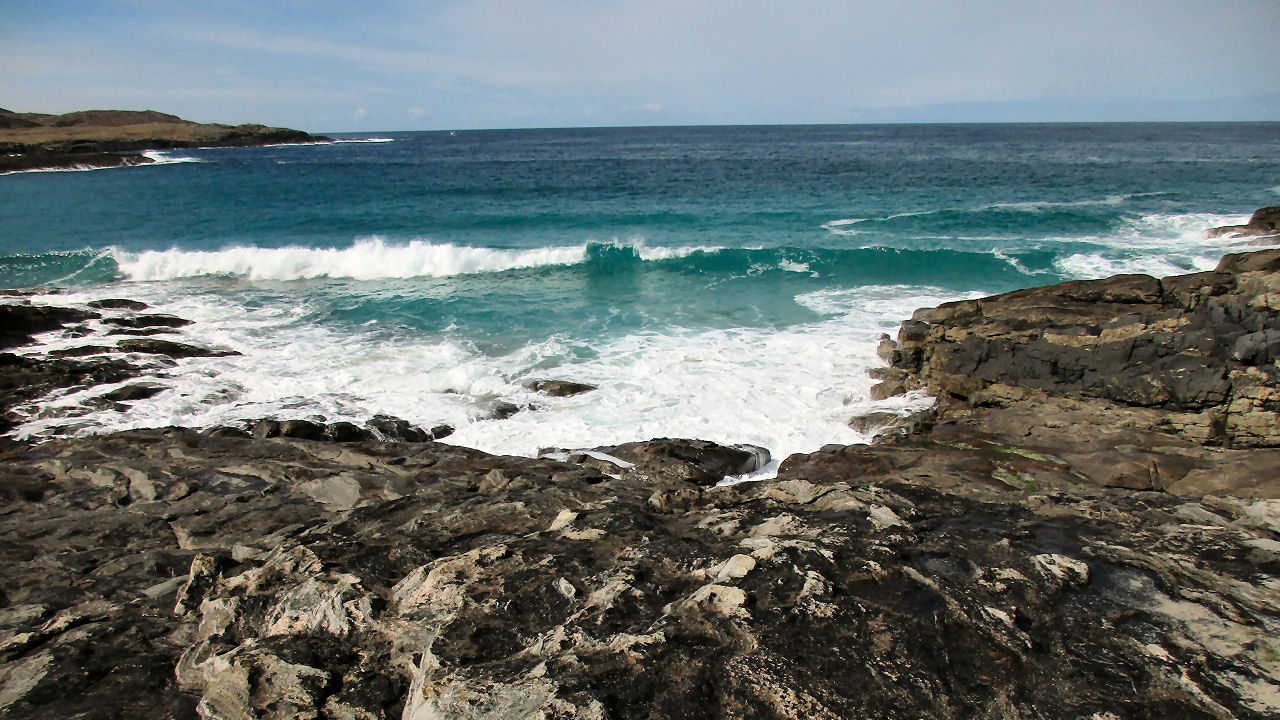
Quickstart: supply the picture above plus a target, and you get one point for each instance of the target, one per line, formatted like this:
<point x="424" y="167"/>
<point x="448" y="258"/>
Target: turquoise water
<point x="726" y="283"/>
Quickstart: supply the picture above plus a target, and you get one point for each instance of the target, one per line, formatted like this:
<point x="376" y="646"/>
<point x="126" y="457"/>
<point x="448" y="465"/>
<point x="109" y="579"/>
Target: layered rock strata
<point x="1138" y="382"/>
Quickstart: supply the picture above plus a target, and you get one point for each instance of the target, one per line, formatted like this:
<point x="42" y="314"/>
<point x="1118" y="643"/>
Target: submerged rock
<point x="559" y="388"/>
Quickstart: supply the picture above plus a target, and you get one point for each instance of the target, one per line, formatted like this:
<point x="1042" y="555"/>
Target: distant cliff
<point x="107" y="138"/>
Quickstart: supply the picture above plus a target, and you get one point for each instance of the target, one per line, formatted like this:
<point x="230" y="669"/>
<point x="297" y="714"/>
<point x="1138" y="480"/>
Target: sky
<point x="328" y="66"/>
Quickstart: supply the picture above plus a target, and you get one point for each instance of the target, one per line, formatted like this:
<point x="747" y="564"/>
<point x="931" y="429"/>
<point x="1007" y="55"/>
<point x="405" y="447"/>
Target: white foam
<point x="162" y="157"/>
<point x="365" y="260"/>
<point x="1156" y="244"/>
<point x="842" y="227"/>
<point x="1096" y="265"/>
<point x="1016" y="264"/>
<point x="341" y="141"/>
<point x="1037" y="205"/>
<point x="73" y="168"/>
<point x="644" y="252"/>
<point x="730" y="386"/>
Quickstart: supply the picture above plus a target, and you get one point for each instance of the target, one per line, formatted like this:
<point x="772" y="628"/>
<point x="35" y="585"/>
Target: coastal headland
<point x="1087" y="525"/>
<point x="113" y="138"/>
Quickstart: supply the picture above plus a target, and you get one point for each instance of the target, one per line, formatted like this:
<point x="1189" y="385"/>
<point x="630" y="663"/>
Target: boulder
<point x="675" y="460"/>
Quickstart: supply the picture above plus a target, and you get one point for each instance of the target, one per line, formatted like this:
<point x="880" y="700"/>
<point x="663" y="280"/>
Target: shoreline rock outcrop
<point x="1264" y="224"/>
<point x="1087" y="526"/>
<point x="113" y="138"/>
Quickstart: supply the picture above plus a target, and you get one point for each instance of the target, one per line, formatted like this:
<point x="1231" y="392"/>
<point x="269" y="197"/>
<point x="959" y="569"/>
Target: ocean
<point x="724" y="283"/>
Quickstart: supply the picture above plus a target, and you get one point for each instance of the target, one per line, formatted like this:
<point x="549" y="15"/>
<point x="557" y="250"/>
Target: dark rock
<point x="18" y="323"/>
<point x="667" y="460"/>
<point x="1265" y="222"/>
<point x="302" y="430"/>
<point x="172" y="349"/>
<point x="394" y="429"/>
<point x="135" y="391"/>
<point x="82" y="351"/>
<point x="265" y="429"/>
<point x="118" y="304"/>
<point x="25" y="378"/>
<point x="559" y="388"/>
<point x="139" y="332"/>
<point x="1201" y="344"/>
<point x="884" y="423"/>
<point x="501" y="410"/>
<point x="247" y="577"/>
<point x="346" y="432"/>
<point x="1059" y="541"/>
<point x="148" y="321"/>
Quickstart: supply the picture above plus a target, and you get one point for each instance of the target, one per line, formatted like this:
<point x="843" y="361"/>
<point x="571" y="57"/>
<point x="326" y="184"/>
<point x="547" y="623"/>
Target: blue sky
<point x="337" y="66"/>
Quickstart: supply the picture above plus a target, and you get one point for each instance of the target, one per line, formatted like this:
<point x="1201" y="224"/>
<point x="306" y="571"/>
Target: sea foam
<point x="737" y="385"/>
<point x="367" y="259"/>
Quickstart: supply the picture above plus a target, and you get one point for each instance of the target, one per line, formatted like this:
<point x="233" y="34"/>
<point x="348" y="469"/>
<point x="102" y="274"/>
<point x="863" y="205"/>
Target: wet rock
<point x="1264" y="222"/>
<point x="26" y="378"/>
<point x="666" y="460"/>
<point x="346" y="432"/>
<point x="394" y="429"/>
<point x="170" y="348"/>
<point x="265" y="429"/>
<point x="81" y="351"/>
<point x="559" y="388"/>
<point x="118" y="304"/>
<point x="135" y="391"/>
<point x="301" y="429"/>
<point x="879" y="423"/>
<point x="20" y="322"/>
<point x="139" y="332"/>
<point x="148" y="321"/>
<point x="501" y="410"/>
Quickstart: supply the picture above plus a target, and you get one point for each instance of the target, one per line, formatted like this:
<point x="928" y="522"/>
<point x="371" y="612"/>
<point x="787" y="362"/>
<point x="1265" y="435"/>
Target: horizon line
<point x="958" y="123"/>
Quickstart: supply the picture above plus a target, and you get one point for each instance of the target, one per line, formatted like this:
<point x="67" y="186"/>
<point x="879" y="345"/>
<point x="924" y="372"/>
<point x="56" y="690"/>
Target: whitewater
<point x="729" y="284"/>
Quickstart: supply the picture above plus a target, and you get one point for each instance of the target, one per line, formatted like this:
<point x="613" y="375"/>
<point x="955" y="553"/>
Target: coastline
<point x="1086" y="525"/>
<point x="117" y="138"/>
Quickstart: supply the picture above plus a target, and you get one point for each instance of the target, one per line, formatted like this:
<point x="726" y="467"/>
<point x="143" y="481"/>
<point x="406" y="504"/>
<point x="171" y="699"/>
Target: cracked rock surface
<point x="159" y="574"/>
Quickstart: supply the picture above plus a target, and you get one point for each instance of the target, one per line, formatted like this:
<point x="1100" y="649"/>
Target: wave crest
<point x="368" y="259"/>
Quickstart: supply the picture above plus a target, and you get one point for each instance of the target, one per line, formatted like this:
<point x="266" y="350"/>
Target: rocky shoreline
<point x="115" y="138"/>
<point x="1086" y="526"/>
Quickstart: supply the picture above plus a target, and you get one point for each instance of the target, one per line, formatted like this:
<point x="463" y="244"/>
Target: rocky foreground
<point x="113" y="138"/>
<point x="1086" y="527"/>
